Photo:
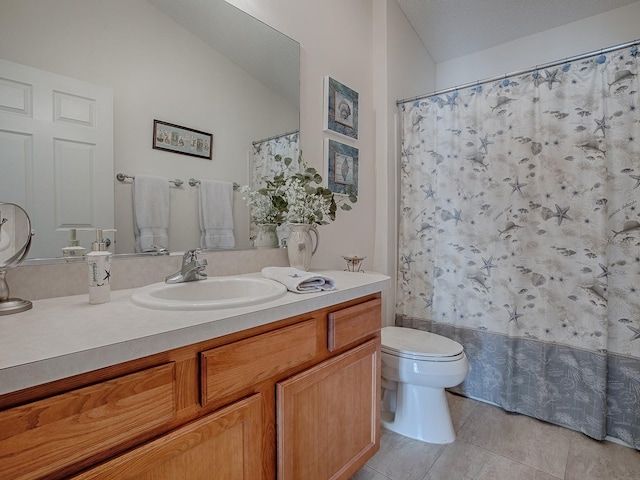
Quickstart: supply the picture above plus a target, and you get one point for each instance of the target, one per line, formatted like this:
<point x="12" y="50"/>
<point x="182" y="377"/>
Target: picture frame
<point x="340" y="108"/>
<point x="183" y="140"/>
<point x="341" y="166"/>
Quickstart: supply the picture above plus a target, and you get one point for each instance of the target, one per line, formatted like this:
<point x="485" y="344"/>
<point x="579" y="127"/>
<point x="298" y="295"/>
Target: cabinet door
<point x="328" y="416"/>
<point x="225" y="444"/>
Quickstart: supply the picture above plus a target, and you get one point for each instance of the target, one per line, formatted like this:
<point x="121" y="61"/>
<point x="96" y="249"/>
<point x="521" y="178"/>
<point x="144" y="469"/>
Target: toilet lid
<point x="417" y="343"/>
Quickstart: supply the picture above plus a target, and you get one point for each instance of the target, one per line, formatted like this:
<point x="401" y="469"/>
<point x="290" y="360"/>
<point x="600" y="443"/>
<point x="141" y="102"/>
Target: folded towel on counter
<point x="216" y="214"/>
<point x="150" y="212"/>
<point x="299" y="281"/>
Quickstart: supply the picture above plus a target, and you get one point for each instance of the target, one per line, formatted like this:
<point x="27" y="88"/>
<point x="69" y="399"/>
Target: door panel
<point x="56" y="137"/>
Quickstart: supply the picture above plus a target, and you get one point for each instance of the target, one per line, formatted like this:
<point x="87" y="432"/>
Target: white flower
<point x="262" y="208"/>
<point x="306" y="204"/>
<point x="291" y="197"/>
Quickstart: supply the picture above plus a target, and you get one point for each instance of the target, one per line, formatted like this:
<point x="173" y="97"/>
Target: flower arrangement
<point x="295" y="197"/>
<point x="263" y="211"/>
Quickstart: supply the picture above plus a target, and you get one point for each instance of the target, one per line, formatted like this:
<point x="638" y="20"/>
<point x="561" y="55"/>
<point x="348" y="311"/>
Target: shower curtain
<point x="264" y="152"/>
<point x="519" y="237"/>
<point x="264" y="165"/>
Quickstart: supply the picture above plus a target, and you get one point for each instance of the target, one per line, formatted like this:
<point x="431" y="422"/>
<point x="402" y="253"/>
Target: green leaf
<point x="345" y="206"/>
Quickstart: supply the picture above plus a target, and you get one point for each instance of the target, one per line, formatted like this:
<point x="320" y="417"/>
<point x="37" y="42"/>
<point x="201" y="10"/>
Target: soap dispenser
<point x="99" y="261"/>
<point x="73" y="248"/>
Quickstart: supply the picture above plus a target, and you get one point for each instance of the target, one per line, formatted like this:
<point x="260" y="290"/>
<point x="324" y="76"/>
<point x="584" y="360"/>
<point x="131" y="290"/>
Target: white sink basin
<point x="210" y="294"/>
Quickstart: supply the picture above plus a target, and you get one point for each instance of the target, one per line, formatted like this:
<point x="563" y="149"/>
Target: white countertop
<point x="66" y="336"/>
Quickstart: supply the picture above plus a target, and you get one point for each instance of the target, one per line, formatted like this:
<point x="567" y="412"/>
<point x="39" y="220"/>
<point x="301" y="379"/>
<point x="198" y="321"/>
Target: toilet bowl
<point x="416" y="368"/>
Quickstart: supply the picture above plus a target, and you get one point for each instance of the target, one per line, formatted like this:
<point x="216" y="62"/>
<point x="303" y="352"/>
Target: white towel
<point x="150" y="212"/>
<point x="299" y="281"/>
<point x="216" y="214"/>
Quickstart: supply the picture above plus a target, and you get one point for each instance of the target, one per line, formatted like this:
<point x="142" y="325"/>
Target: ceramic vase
<point x="300" y="246"/>
<point x="266" y="236"/>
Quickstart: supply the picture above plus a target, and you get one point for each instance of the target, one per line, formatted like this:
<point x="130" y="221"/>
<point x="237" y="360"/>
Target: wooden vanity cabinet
<point x="297" y="398"/>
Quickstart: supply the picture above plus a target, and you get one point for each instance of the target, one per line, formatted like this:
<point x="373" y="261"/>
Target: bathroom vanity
<point x="288" y="389"/>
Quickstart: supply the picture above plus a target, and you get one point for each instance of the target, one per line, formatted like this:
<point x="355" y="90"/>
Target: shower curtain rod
<point x="275" y="136"/>
<point x="521" y="72"/>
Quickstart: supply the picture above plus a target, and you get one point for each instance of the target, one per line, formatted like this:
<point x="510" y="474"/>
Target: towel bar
<point x="121" y="177"/>
<point x="193" y="182"/>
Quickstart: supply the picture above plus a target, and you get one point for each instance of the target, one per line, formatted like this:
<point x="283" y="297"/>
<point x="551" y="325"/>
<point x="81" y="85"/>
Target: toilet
<point x="416" y="368"/>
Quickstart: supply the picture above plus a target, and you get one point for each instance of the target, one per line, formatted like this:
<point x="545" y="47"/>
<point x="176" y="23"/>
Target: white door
<point x="56" y="154"/>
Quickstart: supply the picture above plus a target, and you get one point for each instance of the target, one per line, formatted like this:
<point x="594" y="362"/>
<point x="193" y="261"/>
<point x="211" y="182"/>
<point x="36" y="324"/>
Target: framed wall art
<point x="177" y="139"/>
<point x="340" y="108"/>
<point x="341" y="162"/>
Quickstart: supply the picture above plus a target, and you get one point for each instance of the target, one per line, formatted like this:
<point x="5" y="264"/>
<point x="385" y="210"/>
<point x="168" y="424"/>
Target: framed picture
<point x="340" y="108"/>
<point x="177" y="139"/>
<point x="341" y="166"/>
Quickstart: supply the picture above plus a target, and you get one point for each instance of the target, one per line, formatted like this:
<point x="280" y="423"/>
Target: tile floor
<point x="492" y="444"/>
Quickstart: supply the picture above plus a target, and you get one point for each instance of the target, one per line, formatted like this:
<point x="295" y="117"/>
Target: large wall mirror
<point x="201" y="64"/>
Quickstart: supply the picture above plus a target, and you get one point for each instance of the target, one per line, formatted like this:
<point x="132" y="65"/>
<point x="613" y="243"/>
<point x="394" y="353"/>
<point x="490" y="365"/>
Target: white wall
<point x="371" y="47"/>
<point x="600" y="31"/>
<point x="402" y="68"/>
<point x="157" y="70"/>
<point x="335" y="39"/>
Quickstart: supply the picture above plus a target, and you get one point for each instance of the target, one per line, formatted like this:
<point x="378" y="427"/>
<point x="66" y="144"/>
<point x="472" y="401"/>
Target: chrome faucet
<point x="191" y="269"/>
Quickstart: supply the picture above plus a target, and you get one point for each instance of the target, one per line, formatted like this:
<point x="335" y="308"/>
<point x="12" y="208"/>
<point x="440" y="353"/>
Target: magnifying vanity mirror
<point x="15" y="241"/>
<point x="93" y="75"/>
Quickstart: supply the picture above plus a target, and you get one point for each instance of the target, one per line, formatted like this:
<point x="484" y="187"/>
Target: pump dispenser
<point x="73" y="248"/>
<point x="99" y="261"/>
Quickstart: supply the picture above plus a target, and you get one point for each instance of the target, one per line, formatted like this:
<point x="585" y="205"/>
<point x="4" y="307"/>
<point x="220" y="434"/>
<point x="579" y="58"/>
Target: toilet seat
<point x="420" y="345"/>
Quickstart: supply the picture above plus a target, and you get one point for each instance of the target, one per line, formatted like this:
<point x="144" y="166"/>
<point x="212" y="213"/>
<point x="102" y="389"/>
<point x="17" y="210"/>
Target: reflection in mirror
<point x="15" y="241"/>
<point x="204" y="65"/>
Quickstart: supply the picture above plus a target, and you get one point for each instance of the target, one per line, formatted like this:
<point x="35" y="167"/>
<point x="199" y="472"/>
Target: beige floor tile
<point x="537" y="444"/>
<point x="495" y="445"/>
<point x="462" y="461"/>
<point x="593" y="460"/>
<point x="402" y="458"/>
<point x="460" y="408"/>
<point x="366" y="473"/>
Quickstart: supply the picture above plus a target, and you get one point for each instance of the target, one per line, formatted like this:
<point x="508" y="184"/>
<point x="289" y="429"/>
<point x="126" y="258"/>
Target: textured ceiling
<point x="453" y="28"/>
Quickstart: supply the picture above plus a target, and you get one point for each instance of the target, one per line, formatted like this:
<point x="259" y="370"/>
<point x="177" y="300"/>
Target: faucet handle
<point x="158" y="250"/>
<point x="191" y="255"/>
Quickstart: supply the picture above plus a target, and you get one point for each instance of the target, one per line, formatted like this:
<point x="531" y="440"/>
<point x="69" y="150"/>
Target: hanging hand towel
<point x="150" y="212"/>
<point x="299" y="281"/>
<point x="216" y="214"/>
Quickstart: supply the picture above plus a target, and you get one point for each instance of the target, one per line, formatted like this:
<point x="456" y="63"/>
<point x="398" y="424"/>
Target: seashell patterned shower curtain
<point x="520" y="239"/>
<point x="264" y="152"/>
<point x="263" y="165"/>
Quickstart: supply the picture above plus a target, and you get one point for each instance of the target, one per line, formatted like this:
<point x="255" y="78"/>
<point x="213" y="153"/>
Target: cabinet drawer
<point x="43" y="437"/>
<point x="226" y="444"/>
<point x="232" y="368"/>
<point x="353" y="323"/>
